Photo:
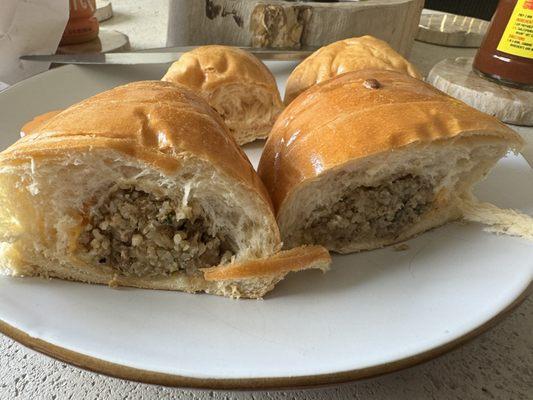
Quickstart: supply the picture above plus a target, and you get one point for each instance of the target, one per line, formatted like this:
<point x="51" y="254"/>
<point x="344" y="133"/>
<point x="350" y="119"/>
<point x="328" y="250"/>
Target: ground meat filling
<point x="365" y="212"/>
<point x="140" y="234"/>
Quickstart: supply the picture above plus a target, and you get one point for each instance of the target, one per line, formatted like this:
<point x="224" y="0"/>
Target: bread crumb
<point x="113" y="283"/>
<point x="401" y="247"/>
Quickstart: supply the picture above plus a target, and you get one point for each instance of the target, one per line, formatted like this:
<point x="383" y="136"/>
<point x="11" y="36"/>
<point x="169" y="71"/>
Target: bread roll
<point x="365" y="52"/>
<point x="141" y="186"/>
<point x="236" y="84"/>
<point x="388" y="157"/>
<point x="34" y="125"/>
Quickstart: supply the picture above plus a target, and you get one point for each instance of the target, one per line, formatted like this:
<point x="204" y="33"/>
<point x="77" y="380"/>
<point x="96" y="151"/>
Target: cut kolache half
<point x="141" y="186"/>
<point x="373" y="157"/>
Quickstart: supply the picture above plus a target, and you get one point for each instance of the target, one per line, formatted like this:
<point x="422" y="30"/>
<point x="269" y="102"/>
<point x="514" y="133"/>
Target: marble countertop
<point x="496" y="365"/>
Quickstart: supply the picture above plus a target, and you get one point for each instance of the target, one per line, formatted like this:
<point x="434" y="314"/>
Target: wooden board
<point x="456" y="77"/>
<point x="289" y="24"/>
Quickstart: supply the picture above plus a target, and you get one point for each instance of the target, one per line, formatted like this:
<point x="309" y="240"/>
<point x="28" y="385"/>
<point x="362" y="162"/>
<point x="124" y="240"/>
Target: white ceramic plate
<point x="372" y="313"/>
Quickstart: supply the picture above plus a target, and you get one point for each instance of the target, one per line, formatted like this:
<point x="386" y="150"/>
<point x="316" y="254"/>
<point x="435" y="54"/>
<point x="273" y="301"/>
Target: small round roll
<point x="373" y="157"/>
<point x="346" y="55"/>
<point x="236" y="84"/>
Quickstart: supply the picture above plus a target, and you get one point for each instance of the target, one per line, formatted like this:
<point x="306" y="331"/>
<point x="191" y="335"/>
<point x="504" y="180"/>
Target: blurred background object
<point x="451" y="30"/>
<point x="104" y="10"/>
<point x="289" y="24"/>
<point x="82" y="25"/>
<point x="506" y="54"/>
<point x="456" y="77"/>
<point x="499" y="80"/>
<point x="28" y="27"/>
<point x="82" y="33"/>
<point x="107" y="41"/>
<point x="144" y="22"/>
<point x="483" y="9"/>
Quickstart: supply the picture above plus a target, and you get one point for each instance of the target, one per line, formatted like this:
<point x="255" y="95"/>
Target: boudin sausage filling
<point x="141" y="234"/>
<point x="371" y="212"/>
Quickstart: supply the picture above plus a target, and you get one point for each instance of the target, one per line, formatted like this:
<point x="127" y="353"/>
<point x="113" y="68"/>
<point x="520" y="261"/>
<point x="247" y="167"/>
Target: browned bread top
<point x="153" y="121"/>
<point x="354" y="54"/>
<point x="360" y="114"/>
<point x="206" y="68"/>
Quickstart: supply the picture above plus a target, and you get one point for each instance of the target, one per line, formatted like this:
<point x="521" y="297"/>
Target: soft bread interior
<point x="249" y="111"/>
<point x="383" y="199"/>
<point x="101" y="216"/>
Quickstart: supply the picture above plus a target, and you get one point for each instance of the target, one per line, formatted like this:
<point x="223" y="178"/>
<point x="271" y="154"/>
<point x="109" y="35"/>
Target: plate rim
<point x="115" y="370"/>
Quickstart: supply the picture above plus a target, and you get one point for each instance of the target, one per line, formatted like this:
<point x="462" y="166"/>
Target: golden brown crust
<point x="354" y="54"/>
<point x="206" y="68"/>
<point x="299" y="258"/>
<point x="357" y="121"/>
<point x="164" y="125"/>
<point x="152" y="121"/>
<point x="235" y="83"/>
<point x="35" y="124"/>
